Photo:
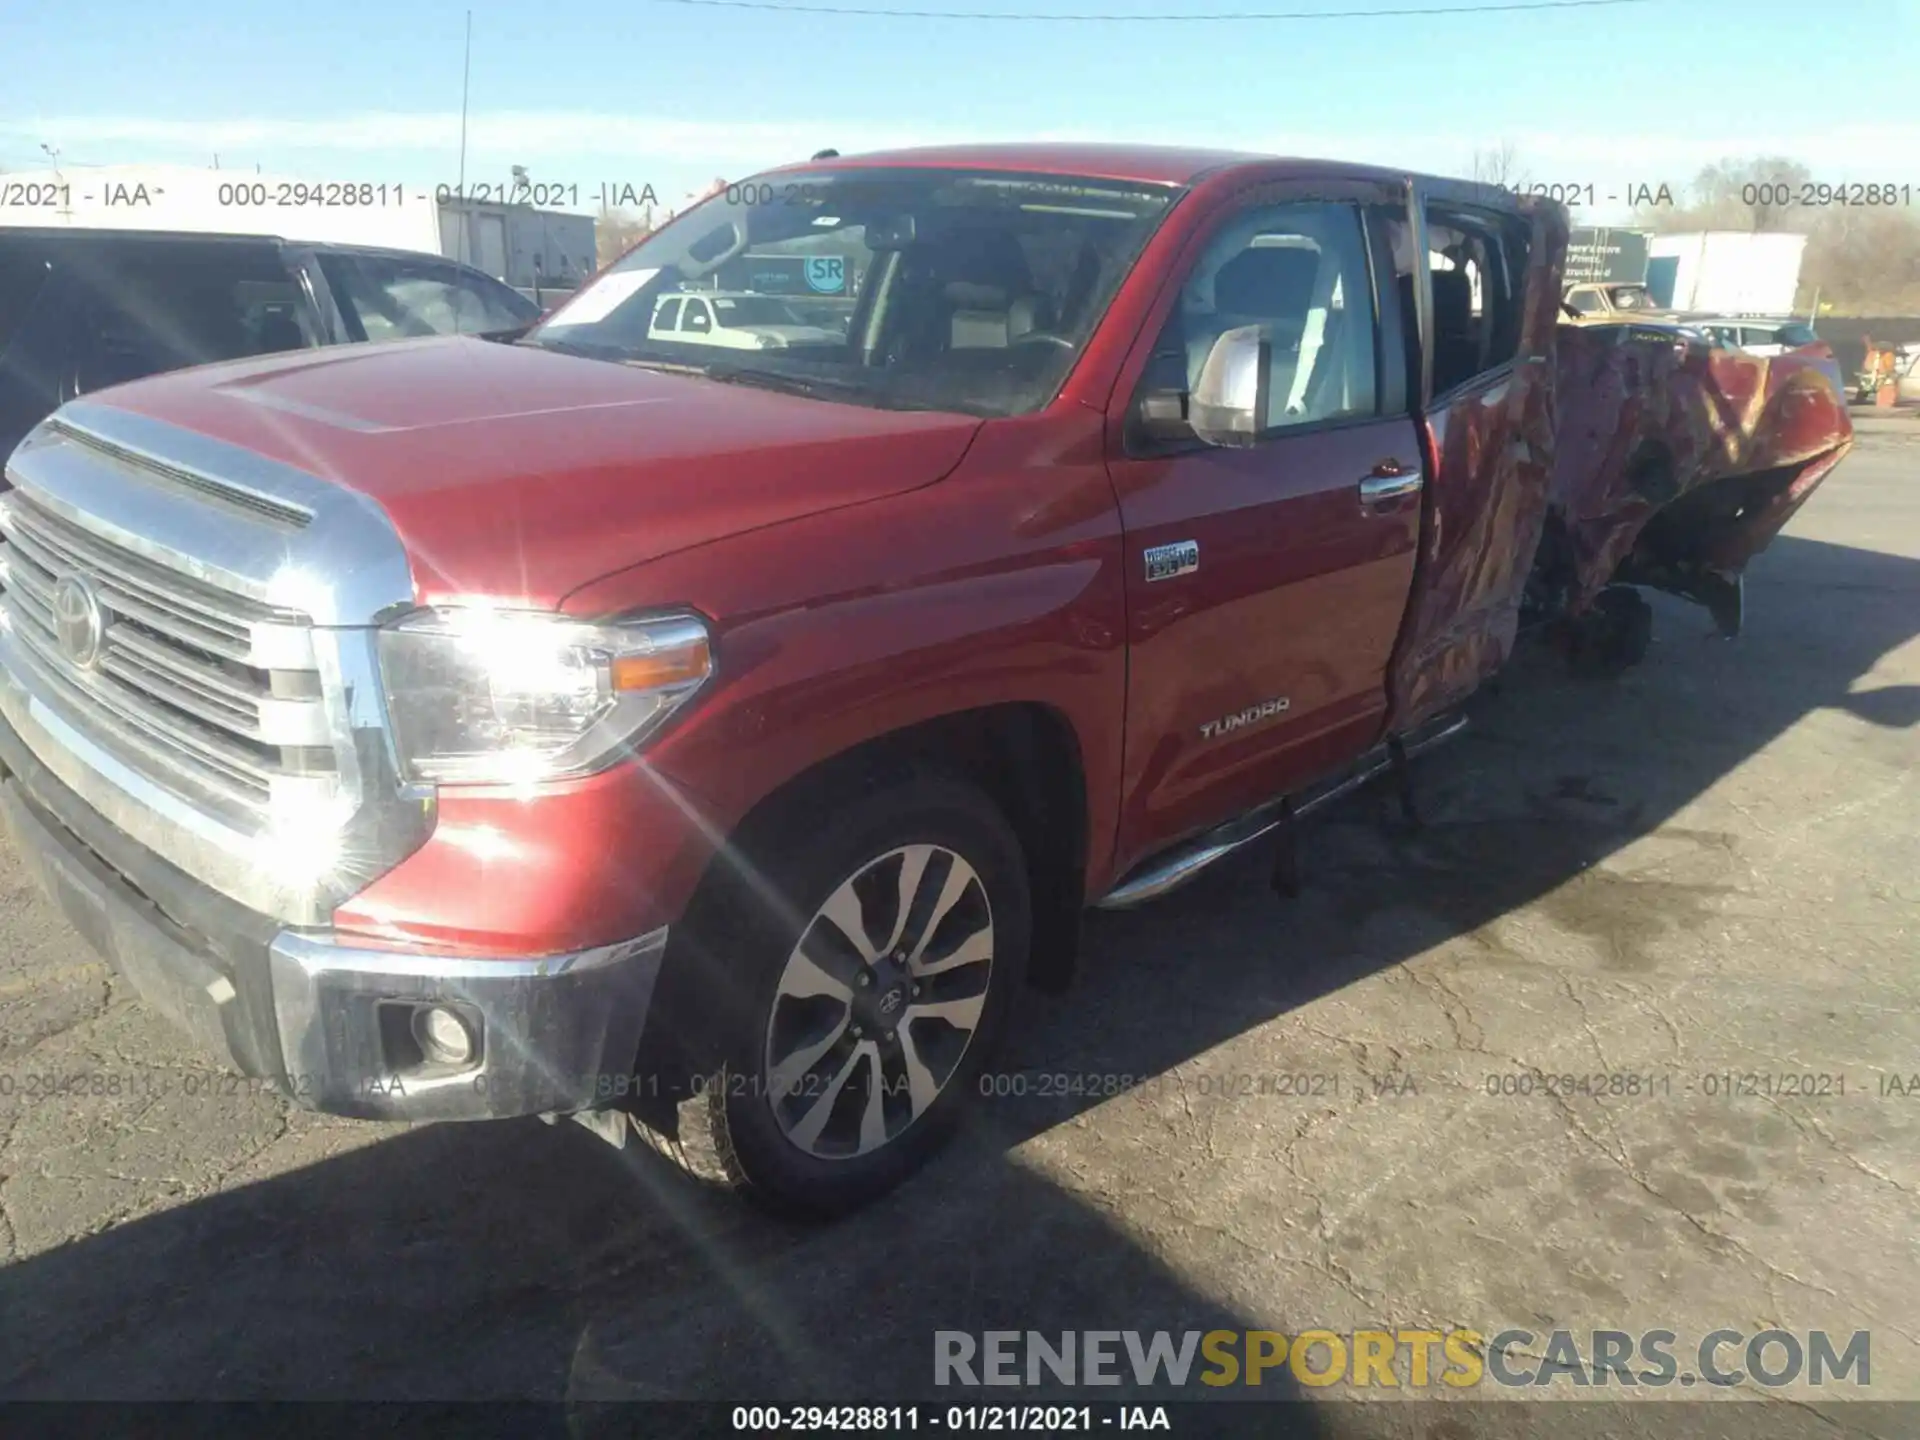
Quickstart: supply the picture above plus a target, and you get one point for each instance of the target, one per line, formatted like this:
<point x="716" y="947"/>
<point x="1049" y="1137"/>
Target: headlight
<point x="480" y="696"/>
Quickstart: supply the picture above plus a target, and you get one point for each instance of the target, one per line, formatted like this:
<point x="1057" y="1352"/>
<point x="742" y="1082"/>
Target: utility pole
<point x="460" y="190"/>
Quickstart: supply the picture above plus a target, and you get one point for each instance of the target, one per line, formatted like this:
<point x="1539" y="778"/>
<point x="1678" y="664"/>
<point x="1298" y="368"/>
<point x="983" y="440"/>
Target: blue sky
<point x="643" y="92"/>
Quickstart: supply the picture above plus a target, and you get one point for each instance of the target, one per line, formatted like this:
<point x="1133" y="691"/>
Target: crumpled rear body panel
<point x="1490" y="475"/>
<point x="1645" y="421"/>
<point x="1604" y="447"/>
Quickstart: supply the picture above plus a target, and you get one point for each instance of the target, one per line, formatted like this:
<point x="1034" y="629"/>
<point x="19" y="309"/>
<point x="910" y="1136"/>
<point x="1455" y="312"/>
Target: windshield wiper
<point x="789" y="383"/>
<point x="583" y="348"/>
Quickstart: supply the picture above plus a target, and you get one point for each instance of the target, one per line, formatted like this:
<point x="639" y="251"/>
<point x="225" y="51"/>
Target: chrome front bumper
<point x="557" y="1032"/>
<point x="327" y="1023"/>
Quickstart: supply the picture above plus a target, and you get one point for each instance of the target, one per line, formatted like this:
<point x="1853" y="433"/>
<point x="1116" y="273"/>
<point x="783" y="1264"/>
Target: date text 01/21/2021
<point x="895" y="1419"/>
<point x="370" y="195"/>
<point x="62" y="196"/>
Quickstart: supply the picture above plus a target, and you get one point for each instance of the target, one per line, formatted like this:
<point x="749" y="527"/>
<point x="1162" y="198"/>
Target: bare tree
<point x="1499" y="165"/>
<point x="1863" y="261"/>
<point x="1756" y="194"/>
<point x="617" y="231"/>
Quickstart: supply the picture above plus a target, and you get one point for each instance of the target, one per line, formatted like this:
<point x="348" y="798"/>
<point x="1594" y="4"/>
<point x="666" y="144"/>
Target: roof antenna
<point x="825" y="155"/>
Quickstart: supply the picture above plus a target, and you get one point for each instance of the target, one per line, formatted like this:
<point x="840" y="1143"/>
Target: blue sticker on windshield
<point x="826" y="274"/>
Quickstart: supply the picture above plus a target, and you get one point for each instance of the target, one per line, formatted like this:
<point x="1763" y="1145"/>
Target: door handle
<point x="1389" y="482"/>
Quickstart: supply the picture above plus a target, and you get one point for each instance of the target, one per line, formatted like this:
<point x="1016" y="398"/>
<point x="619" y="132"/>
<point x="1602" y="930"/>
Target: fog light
<point x="444" y="1037"/>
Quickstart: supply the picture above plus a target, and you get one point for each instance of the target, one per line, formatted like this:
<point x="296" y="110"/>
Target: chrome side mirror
<point x="1228" y="406"/>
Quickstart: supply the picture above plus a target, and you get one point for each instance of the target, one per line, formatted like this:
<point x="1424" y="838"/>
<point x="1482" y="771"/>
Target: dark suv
<point x="84" y="309"/>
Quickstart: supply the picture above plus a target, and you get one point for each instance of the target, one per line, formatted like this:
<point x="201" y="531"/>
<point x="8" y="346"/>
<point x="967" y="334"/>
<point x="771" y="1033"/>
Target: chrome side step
<point x="1171" y="869"/>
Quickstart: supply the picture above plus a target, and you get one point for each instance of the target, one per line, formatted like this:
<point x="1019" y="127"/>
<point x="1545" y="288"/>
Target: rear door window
<point x="23" y="274"/>
<point x="153" y="307"/>
<point x="82" y="314"/>
<point x="37" y="339"/>
<point x="1477" y="264"/>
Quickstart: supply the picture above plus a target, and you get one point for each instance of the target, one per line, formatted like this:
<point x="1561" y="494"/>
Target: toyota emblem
<point x="78" y="624"/>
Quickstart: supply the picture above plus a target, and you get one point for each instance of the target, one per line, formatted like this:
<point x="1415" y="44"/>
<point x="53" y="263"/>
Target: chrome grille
<point x="199" y="688"/>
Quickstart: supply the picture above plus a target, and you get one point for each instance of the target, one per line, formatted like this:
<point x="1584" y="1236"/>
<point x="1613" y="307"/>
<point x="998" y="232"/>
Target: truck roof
<point x="104" y="235"/>
<point x="1140" y="164"/>
<point x="84" y="233"/>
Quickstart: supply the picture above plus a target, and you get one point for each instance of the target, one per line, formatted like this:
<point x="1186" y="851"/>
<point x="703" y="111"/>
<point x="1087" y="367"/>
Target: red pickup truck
<point x="611" y="722"/>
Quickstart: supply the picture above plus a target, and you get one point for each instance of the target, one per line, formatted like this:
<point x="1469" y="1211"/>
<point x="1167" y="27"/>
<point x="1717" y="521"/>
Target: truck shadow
<point x="522" y="1261"/>
<point x="1555" y="774"/>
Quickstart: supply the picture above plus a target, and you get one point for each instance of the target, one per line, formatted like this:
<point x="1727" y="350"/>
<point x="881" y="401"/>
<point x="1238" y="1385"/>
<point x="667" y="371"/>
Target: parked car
<point x="1757" y="335"/>
<point x="84" y="309"/>
<point x="715" y="747"/>
<point x="1772" y="335"/>
<point x="736" y="320"/>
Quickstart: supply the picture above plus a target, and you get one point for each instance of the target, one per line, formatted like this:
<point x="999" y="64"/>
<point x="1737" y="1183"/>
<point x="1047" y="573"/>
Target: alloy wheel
<point x="878" y="1002"/>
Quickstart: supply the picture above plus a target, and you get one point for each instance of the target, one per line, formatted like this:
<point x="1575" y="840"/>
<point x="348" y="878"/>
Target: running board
<point x="1174" y="868"/>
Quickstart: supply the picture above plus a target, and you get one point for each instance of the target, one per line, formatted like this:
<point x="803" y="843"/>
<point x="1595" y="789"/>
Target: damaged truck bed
<point x="1607" y="457"/>
<point x="1675" y="464"/>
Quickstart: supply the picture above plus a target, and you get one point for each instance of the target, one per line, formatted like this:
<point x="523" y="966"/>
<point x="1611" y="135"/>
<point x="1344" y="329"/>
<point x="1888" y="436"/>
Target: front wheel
<point x="860" y="972"/>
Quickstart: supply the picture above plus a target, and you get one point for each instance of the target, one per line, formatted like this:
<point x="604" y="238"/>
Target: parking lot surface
<point x="1327" y="1112"/>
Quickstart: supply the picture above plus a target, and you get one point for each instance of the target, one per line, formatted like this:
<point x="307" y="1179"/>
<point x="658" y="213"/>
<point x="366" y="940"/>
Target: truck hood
<point x="523" y="474"/>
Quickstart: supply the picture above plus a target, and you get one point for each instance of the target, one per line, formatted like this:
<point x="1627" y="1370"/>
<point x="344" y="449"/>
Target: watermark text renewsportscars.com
<point x="1415" y="1359"/>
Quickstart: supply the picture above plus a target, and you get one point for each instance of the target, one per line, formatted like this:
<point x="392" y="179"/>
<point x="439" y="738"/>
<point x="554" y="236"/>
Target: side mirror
<point x="1228" y="406"/>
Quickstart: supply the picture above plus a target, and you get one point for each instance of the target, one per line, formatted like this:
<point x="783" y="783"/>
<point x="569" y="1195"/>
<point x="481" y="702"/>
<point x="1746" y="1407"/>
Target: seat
<point x="278" y="332"/>
<point x="985" y="288"/>
<point x="1456" y="345"/>
<point x="1263" y="285"/>
<point x="981" y="316"/>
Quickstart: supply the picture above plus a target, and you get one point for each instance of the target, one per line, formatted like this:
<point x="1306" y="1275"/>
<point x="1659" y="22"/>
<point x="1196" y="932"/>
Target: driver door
<point x="1266" y="582"/>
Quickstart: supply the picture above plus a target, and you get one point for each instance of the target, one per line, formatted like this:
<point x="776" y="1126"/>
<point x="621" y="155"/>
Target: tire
<point x="1614" y="635"/>
<point x="800" y="1137"/>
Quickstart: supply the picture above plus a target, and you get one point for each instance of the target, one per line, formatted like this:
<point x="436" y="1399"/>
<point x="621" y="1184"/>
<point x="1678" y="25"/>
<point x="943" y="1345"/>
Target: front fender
<point x="1000" y="585"/>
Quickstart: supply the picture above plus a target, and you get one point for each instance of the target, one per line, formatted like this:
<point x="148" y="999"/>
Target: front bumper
<point x="328" y="1023"/>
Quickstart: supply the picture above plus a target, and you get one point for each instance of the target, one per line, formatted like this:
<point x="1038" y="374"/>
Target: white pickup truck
<point x="1609" y="304"/>
<point x="735" y="320"/>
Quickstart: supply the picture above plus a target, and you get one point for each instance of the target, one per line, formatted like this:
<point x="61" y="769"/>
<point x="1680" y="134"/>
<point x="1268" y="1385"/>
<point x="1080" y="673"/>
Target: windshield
<point x="935" y="289"/>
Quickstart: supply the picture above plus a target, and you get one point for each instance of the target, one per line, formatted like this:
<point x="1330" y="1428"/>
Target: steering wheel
<point x="1044" y="337"/>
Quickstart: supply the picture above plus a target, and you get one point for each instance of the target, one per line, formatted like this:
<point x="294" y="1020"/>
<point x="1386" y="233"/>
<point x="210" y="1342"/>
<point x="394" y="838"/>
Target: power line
<point x="1108" y="19"/>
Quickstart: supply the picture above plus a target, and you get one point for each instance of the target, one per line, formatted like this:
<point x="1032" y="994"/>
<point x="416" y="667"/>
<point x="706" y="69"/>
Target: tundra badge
<point x="1253" y="714"/>
<point x="1166" y="561"/>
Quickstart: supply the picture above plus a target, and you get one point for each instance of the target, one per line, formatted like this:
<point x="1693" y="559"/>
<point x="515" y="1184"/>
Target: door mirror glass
<point x="1229" y="400"/>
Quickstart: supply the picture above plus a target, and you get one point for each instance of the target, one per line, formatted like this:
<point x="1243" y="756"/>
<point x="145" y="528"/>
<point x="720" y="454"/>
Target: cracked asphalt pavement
<point x="1699" y="877"/>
